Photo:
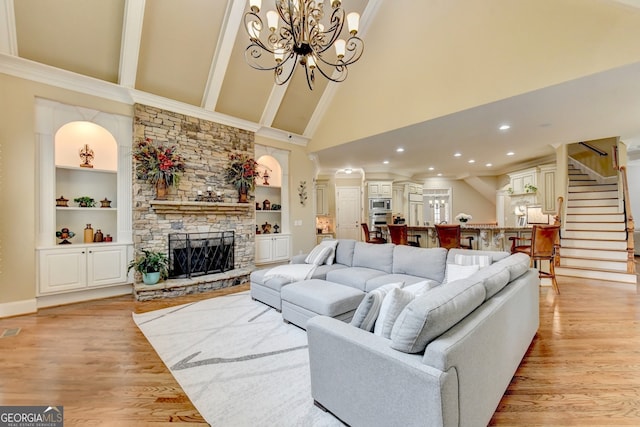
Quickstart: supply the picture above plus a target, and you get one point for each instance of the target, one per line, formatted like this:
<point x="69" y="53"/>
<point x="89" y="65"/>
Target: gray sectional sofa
<point x="451" y="352"/>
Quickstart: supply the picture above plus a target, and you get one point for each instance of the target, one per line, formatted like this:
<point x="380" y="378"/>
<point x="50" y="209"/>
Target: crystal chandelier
<point x="299" y="32"/>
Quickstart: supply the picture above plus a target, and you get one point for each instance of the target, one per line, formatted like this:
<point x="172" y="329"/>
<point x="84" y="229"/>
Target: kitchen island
<point x="488" y="237"/>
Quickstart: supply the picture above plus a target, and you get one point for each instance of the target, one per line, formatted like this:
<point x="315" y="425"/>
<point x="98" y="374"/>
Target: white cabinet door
<point x="548" y="190"/>
<point x="322" y="204"/>
<point x="106" y="265"/>
<point x="62" y="270"/>
<point x="386" y="189"/>
<point x="263" y="249"/>
<point x="272" y="248"/>
<point x="281" y="249"/>
<point x="416" y="213"/>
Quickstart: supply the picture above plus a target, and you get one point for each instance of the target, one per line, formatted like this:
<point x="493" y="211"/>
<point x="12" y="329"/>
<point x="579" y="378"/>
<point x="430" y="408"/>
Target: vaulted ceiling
<point x="436" y="77"/>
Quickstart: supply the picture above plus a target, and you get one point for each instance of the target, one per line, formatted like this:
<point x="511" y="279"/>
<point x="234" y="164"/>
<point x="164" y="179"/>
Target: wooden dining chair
<point x="449" y="236"/>
<point x="399" y="235"/>
<point x="374" y="236"/>
<point x="542" y="247"/>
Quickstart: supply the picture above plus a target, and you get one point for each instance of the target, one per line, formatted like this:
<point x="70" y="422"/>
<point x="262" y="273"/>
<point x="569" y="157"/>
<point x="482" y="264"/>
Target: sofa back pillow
<point x="375" y="256"/>
<point x="344" y="252"/>
<point x="332" y="244"/>
<point x="494" y="255"/>
<point x="369" y="308"/>
<point x="429" y="316"/>
<point x="422" y="262"/>
<point x="318" y="255"/>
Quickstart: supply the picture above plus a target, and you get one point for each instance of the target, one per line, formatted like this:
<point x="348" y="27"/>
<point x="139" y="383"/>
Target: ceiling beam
<point x="8" y="37"/>
<point x="220" y="63"/>
<point x="131" y="36"/>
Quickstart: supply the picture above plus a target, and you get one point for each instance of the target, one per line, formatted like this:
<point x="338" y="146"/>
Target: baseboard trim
<point x="88" y="295"/>
<point x="18" y="308"/>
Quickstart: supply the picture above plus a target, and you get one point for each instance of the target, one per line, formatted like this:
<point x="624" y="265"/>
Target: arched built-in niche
<point x="71" y="139"/>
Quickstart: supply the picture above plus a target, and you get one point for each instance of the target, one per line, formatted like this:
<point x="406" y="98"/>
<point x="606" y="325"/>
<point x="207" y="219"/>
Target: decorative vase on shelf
<point x="243" y="194"/>
<point x="106" y="203"/>
<point x="98" y="237"/>
<point x="88" y="234"/>
<point x="161" y="189"/>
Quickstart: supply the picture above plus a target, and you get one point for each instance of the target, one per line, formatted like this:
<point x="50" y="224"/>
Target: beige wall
<point x="18" y="177"/>
<point x="465" y="199"/>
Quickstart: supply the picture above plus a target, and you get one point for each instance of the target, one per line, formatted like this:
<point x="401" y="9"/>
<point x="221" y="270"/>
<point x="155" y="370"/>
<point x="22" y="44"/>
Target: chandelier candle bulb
<point x="340" y="48"/>
<point x="272" y="20"/>
<point x="353" y="21"/>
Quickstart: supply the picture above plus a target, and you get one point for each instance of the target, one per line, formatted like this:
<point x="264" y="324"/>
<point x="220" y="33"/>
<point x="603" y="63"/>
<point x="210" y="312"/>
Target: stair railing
<point x="557" y="220"/>
<point x="630" y="226"/>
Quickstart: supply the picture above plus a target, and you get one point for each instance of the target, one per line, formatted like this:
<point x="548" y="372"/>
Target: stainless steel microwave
<point x="380" y="204"/>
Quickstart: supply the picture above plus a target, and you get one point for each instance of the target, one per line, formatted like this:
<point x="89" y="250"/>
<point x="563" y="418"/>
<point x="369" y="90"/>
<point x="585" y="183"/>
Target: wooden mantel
<point x="204" y="208"/>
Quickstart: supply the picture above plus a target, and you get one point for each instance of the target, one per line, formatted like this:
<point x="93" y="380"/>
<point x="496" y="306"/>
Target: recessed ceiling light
<point x="457" y="154"/>
<point x="386" y="162"/>
<point x="348" y="171"/>
<point x="510" y="153"/>
<point x="400" y="149"/>
<point x="472" y="161"/>
<point x="439" y="174"/>
<point x="488" y="165"/>
<point x="431" y="168"/>
<point x="504" y="127"/>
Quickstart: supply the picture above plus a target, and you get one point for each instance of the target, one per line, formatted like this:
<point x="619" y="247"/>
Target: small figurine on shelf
<point x="266" y="205"/>
<point x="276" y="228"/>
<point x="65" y="234"/>
<point x="106" y="203"/>
<point x="86" y="155"/>
<point x="62" y="202"/>
<point x="266" y="228"/>
<point x="108" y="238"/>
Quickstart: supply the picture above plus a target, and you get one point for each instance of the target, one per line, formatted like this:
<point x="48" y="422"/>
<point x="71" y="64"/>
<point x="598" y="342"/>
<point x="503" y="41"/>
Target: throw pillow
<point x="367" y="312"/>
<point x="460" y="259"/>
<point x="420" y="288"/>
<point x="318" y="255"/>
<point x="457" y="272"/>
<point x="332" y="244"/>
<point x="392" y="305"/>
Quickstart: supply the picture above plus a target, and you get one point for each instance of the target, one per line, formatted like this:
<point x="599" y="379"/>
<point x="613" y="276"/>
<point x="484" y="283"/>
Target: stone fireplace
<point x="205" y="147"/>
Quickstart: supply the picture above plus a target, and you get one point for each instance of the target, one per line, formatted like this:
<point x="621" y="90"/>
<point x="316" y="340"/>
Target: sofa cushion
<point x="517" y="264"/>
<point x="344" y="252"/>
<point x="319" y="254"/>
<point x="433" y="313"/>
<point x="389" y="278"/>
<point x="322" y="297"/>
<point x="422" y="262"/>
<point x="369" y="308"/>
<point x="356" y="277"/>
<point x="375" y="256"/>
<point x="322" y="270"/>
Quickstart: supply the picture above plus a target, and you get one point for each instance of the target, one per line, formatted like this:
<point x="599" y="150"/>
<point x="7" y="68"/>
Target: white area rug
<point x="238" y="362"/>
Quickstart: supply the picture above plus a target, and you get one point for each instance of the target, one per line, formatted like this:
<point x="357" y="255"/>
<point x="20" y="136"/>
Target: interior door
<point x="348" y="209"/>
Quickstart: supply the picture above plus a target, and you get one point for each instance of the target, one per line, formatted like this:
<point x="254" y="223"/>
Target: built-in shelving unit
<point x="77" y="270"/>
<point x="272" y="247"/>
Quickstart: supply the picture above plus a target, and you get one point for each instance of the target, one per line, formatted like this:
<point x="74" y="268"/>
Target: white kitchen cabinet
<point x="322" y="200"/>
<point x="380" y="189"/>
<point x="547" y="189"/>
<point x="272" y="248"/>
<point x="79" y="267"/>
<point x="522" y="179"/>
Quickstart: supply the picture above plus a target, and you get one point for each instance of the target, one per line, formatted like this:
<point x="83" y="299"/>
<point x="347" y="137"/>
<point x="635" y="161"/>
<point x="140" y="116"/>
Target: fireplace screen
<point x="196" y="254"/>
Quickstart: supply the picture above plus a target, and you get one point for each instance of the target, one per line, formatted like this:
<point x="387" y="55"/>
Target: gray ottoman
<point x="303" y="300"/>
<point x="267" y="291"/>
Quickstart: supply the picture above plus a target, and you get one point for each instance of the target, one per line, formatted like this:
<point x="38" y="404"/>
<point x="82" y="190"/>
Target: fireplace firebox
<point x="197" y="254"/>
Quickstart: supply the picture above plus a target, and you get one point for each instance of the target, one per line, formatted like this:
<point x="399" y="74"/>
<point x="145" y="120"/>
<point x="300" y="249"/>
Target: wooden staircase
<point x="594" y="238"/>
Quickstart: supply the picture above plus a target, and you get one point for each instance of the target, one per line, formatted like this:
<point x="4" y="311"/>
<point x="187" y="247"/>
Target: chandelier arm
<point x="354" y="50"/>
<point x="252" y="56"/>
<point x="341" y="69"/>
<point x="278" y="70"/>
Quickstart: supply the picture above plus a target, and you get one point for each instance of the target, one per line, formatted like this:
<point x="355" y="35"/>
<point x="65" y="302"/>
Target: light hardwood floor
<point x="583" y="367"/>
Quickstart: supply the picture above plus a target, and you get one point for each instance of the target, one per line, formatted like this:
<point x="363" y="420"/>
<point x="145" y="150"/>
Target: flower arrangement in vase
<point x="158" y="164"/>
<point x="241" y="173"/>
<point x="463" y="217"/>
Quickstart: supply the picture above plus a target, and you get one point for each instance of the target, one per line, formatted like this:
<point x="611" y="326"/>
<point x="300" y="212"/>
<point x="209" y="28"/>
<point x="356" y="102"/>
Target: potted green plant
<point x="85" y="201"/>
<point x="152" y="265"/>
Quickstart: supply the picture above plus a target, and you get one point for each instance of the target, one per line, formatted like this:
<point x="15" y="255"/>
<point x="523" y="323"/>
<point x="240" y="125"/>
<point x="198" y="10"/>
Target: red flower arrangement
<point x="154" y="162"/>
<point x="242" y="172"/>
